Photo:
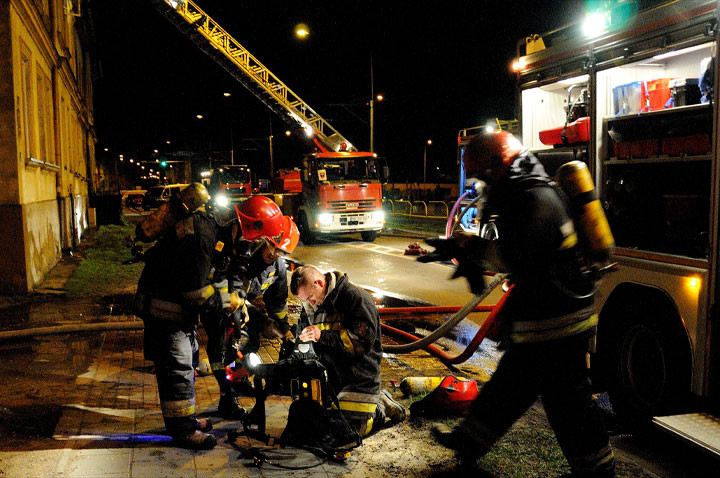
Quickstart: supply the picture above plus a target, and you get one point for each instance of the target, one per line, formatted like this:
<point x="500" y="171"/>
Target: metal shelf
<point x="657" y="159"/>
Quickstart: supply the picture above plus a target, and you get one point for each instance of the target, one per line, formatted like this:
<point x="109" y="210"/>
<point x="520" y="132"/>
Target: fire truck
<point x="631" y="96"/>
<point x="341" y="187"/>
<point x="229" y="184"/>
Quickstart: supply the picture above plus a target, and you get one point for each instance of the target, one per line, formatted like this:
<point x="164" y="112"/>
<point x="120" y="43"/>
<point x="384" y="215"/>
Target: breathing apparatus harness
<point x="577" y="192"/>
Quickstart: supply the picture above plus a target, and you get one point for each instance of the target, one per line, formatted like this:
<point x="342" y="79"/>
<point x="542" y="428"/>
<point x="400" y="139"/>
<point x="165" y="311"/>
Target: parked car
<point x="135" y="199"/>
<point x="157" y="195"/>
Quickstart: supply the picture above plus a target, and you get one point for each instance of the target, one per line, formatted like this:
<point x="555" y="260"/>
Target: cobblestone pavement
<point x="90" y="408"/>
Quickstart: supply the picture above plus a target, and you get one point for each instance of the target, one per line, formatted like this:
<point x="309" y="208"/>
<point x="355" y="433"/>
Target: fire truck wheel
<point x="644" y="359"/>
<point x="306" y="235"/>
<point x="369" y="236"/>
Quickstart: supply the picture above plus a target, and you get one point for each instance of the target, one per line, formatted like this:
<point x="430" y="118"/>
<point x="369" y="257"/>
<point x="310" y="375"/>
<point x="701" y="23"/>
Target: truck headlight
<point x="378" y="216"/>
<point x="222" y="200"/>
<point x="325" y="218"/>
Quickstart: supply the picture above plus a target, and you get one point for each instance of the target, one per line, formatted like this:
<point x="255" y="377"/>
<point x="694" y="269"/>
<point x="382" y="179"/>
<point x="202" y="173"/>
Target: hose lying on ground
<point x="69" y="329"/>
<point x="452" y="322"/>
<point x="472" y="346"/>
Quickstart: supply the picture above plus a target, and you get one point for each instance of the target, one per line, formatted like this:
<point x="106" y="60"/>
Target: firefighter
<point x="172" y="290"/>
<point x="345" y="327"/>
<point x="548" y="320"/>
<point x="256" y="268"/>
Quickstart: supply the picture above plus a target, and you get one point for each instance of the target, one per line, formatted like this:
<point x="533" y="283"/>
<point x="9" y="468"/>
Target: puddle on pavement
<point x="116" y="304"/>
<point x="47" y="311"/>
<point x="38" y="376"/>
<point x="31" y="421"/>
<point x="480" y="365"/>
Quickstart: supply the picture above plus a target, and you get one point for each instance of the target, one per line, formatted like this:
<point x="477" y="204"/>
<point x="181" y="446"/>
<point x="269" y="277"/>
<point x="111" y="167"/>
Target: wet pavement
<point x="85" y="404"/>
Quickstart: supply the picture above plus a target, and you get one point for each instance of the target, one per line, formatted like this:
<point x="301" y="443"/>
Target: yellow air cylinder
<point x="590" y="220"/>
<point x="417" y="385"/>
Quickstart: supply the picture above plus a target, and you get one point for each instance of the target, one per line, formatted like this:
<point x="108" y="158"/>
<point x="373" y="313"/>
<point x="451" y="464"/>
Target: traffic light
<point x="163" y="163"/>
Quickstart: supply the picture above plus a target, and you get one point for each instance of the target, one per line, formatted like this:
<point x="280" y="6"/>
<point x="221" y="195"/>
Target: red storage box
<point x="644" y="148"/>
<point x="659" y="93"/>
<point x="639" y="148"/>
<point x="687" y="145"/>
<point x="577" y="132"/>
<point x="622" y="150"/>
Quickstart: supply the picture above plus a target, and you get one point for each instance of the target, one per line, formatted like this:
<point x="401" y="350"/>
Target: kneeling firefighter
<point x="341" y="321"/>
<point x="548" y="319"/>
<point x="173" y="289"/>
<point x="259" y="239"/>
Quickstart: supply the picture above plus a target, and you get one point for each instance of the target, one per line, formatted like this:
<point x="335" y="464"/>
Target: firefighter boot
<point x="393" y="410"/>
<point x="196" y="440"/>
<point x="229" y="409"/>
<point x="456" y="440"/>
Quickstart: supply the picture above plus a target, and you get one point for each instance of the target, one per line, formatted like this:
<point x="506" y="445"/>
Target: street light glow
<point x="199" y="116"/>
<point x="287" y="132"/>
<point x="429" y="141"/>
<point x="379" y="97"/>
<point x="226" y="94"/>
<point x="302" y="31"/>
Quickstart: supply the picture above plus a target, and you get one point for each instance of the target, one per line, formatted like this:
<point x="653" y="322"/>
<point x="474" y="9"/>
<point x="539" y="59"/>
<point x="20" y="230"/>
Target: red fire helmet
<point x="259" y="217"/>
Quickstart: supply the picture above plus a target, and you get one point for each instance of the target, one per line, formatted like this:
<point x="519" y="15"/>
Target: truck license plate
<point x="352" y="205"/>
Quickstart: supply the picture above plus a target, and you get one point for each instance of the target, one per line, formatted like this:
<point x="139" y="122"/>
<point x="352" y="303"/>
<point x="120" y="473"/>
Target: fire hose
<point x="472" y="346"/>
<point x="452" y="322"/>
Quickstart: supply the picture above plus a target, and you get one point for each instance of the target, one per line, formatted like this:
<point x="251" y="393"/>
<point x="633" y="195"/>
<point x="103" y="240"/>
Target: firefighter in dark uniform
<point x="548" y="319"/>
<point x="174" y="288"/>
<point x="346" y="328"/>
<point x="256" y="268"/>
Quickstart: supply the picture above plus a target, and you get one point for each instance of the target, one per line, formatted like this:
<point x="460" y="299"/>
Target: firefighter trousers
<point x="219" y="330"/>
<point x="174" y="350"/>
<point x="558" y="373"/>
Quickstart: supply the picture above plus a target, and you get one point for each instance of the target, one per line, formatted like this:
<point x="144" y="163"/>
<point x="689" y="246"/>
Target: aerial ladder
<point x="211" y="38"/>
<point x="341" y="186"/>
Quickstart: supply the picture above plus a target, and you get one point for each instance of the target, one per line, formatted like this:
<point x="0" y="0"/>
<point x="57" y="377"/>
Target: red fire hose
<point x="431" y="309"/>
<point x="472" y="346"/>
<point x="452" y="322"/>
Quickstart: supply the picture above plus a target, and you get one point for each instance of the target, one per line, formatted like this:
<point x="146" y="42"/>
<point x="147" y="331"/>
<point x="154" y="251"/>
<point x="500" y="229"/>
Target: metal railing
<point x="433" y="209"/>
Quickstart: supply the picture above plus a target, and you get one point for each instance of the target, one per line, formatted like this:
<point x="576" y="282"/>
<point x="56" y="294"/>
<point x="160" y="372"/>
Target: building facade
<point x="47" y="136"/>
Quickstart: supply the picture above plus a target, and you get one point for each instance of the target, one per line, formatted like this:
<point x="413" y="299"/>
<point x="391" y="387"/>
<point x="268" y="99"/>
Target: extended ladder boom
<point x="237" y="60"/>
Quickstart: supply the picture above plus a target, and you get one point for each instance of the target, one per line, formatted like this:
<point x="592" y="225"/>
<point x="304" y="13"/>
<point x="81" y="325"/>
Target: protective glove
<point x="288" y="336"/>
<point x="445" y="250"/>
<point x="469" y="261"/>
<point x="235" y="302"/>
<point x="473" y="273"/>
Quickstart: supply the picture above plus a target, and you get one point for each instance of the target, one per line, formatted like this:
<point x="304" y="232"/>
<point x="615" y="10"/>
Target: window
<point x="45" y="115"/>
<point x="27" y="100"/>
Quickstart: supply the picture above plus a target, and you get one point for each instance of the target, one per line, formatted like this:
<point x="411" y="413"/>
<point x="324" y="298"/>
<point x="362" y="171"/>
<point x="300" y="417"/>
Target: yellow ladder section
<point x="274" y="90"/>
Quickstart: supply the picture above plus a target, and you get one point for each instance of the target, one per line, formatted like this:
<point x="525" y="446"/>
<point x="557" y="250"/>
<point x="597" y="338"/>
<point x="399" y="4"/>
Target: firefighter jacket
<point x="538" y="246"/>
<point x="255" y="278"/>
<point x="175" y="284"/>
<point x="350" y="335"/>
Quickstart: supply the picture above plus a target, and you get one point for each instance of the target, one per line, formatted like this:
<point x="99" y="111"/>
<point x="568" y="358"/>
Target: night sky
<point x="441" y="66"/>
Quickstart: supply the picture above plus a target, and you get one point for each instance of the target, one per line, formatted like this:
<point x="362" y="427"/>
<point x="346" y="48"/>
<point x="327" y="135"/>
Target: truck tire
<point x="306" y="235"/>
<point x="645" y="362"/>
<point x="369" y="236"/>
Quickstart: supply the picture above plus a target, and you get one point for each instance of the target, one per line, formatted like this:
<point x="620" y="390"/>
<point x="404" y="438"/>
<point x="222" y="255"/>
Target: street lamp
<point x="373" y="97"/>
<point x="229" y="120"/>
<point x="427" y="143"/>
